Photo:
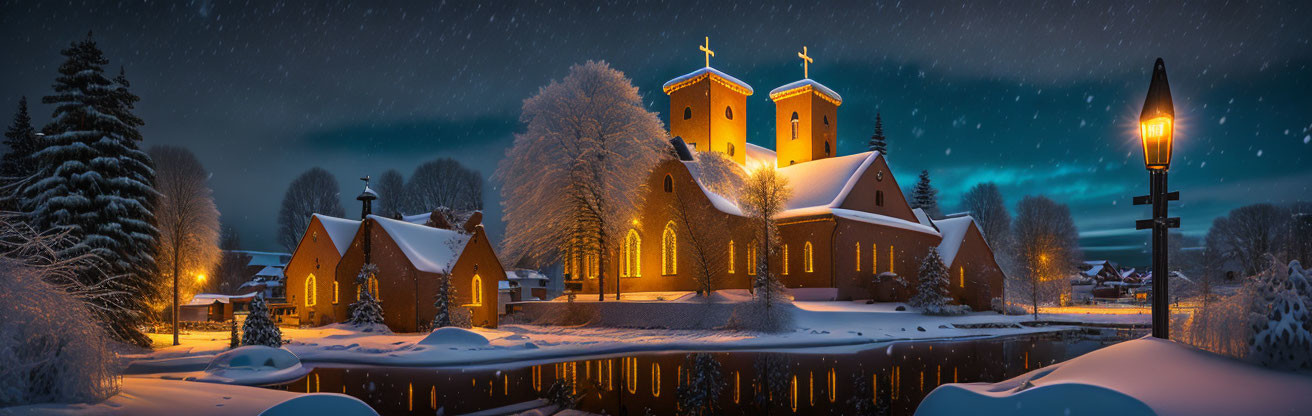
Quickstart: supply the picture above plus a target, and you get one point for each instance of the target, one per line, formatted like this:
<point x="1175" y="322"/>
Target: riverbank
<point x="817" y="324"/>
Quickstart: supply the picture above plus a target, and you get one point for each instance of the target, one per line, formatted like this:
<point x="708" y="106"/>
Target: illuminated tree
<point x="762" y="198"/>
<point x="366" y="312"/>
<point x="1047" y="250"/>
<point x="574" y="178"/>
<point x="259" y="329"/>
<point x="708" y="246"/>
<point x="932" y="291"/>
<point x="188" y="224"/>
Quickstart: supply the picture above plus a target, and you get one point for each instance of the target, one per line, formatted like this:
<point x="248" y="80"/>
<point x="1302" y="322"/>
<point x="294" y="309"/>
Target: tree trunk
<point x="176" y="244"/>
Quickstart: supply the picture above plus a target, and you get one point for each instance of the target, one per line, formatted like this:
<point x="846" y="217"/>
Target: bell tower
<point x="708" y="109"/>
<point x="806" y="118"/>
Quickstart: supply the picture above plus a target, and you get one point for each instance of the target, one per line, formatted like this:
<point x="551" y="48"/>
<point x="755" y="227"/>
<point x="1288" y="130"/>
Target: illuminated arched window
<point x="751" y="259"/>
<point x="963" y="276"/>
<point x="669" y="183"/>
<point x="874" y="258"/>
<point x="794" y="122"/>
<point x="806" y="258"/>
<point x="890" y="258"/>
<point x="858" y="257"/>
<point x="785" y="260"/>
<point x="310" y="290"/>
<point x="731" y="256"/>
<point x="687" y="113"/>
<point x="336" y="297"/>
<point x="631" y="257"/>
<point x="669" y="251"/>
<point x="476" y="289"/>
<point x="655" y="380"/>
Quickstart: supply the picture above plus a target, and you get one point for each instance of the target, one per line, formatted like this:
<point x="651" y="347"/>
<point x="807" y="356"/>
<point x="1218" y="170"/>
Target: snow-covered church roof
<point x="707" y="72"/>
<point x="340" y="230"/>
<point x="429" y="249"/>
<point x="801" y="87"/>
<point x="954" y="231"/>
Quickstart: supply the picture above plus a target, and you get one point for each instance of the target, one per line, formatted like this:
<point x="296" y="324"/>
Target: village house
<point x="413" y="254"/>
<point x="846" y="223"/>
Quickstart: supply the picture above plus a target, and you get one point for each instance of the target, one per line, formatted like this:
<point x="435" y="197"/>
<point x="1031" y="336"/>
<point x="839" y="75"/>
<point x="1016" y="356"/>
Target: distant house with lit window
<point x="413" y="254"/>
<point x="846" y="222"/>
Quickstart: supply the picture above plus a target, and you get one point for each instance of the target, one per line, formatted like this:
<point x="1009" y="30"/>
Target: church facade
<point x="845" y="227"/>
<point x="413" y="254"/>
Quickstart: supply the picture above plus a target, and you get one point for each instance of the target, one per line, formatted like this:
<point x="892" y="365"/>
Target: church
<point x="413" y="254"/>
<point x="846" y="224"/>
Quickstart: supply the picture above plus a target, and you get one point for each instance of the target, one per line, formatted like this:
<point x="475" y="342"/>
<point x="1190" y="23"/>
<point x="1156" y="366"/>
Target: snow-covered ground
<point x="145" y="396"/>
<point x="1141" y="377"/>
<point x="818" y="324"/>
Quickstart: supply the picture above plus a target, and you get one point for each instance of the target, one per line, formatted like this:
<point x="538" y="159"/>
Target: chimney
<point x="366" y="199"/>
<point x="475" y="220"/>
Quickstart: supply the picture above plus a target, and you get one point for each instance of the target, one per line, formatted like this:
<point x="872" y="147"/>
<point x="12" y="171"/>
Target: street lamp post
<point x="1156" y="128"/>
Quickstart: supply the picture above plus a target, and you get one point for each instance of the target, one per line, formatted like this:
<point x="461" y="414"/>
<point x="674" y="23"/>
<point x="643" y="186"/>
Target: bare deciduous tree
<point x="391" y="193"/>
<point x="1247" y="233"/>
<point x="188" y="224"/>
<point x="984" y="203"/>
<point x="443" y="182"/>
<point x="314" y="192"/>
<point x="575" y="176"/>
<point x="762" y="198"/>
<point x="1047" y="250"/>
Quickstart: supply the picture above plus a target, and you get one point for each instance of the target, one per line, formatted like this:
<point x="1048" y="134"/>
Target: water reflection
<point x="883" y="379"/>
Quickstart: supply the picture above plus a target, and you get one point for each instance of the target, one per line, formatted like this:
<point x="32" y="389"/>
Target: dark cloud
<point x="1040" y="97"/>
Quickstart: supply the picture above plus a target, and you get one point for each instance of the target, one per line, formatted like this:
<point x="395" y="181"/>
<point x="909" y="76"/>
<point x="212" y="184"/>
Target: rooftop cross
<point x="707" y="49"/>
<point x="806" y="62"/>
<point x="366" y="180"/>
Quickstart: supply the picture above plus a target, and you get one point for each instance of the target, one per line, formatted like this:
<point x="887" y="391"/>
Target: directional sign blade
<point x="1143" y="224"/>
<point x="1173" y="222"/>
<point x="1143" y="200"/>
<point x="1173" y="196"/>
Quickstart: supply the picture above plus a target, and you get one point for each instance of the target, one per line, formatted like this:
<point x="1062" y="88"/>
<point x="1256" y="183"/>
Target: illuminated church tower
<point x="708" y="109"/>
<point x="806" y="119"/>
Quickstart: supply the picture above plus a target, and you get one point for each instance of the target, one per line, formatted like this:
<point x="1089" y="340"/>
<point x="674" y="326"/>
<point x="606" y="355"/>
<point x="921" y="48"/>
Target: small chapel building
<point x="846" y="223"/>
<point x="413" y="254"/>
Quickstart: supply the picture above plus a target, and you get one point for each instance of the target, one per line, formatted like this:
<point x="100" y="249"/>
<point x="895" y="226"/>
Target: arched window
<point x="630" y="256"/>
<point x="336" y="297"/>
<point x="729" y="149"/>
<point x="590" y="265"/>
<point x="858" y="257"/>
<point x="373" y="287"/>
<point x="476" y="290"/>
<point x="751" y="259"/>
<point x="687" y="113"/>
<point x="728" y="112"/>
<point x="655" y="379"/>
<point x="874" y="258"/>
<point x="890" y="258"/>
<point x="827" y="149"/>
<point x="669" y="251"/>
<point x="879" y="198"/>
<point x="826" y="120"/>
<point x="806" y="258"/>
<point x="963" y="276"/>
<point x="794" y="122"/>
<point x="785" y="260"/>
<point x="310" y="290"/>
<point x="731" y="256"/>
<point x="669" y="183"/>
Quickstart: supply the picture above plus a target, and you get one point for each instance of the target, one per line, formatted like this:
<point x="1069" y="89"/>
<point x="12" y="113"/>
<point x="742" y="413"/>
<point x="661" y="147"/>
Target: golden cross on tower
<point x="806" y="62"/>
<point x="709" y="53"/>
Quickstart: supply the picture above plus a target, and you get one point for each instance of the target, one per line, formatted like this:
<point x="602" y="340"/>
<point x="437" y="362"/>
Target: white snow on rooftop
<point x="270" y="271"/>
<point x="210" y="298"/>
<point x="429" y="249"/>
<point x="1093" y="271"/>
<point x="922" y="217"/>
<point x="517" y="274"/>
<point x="954" y="234"/>
<point x="340" y="231"/>
<point x="807" y="82"/>
<point x="720" y="202"/>
<point x="420" y="219"/>
<point x="757" y="155"/>
<point x="824" y="182"/>
<point x="703" y="71"/>
<point x="871" y="218"/>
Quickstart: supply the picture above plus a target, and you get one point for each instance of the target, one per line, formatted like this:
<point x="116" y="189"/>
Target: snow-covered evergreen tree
<point x="1284" y="340"/>
<point x="445" y="299"/>
<point x="18" y="162"/>
<point x="878" y="142"/>
<point x="932" y="291"/>
<point x="234" y="339"/>
<point x="259" y="328"/>
<point x="925" y="197"/>
<point x="701" y="394"/>
<point x="366" y="311"/>
<point x="96" y="185"/>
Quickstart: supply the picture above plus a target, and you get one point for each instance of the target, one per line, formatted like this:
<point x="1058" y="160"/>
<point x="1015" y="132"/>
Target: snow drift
<point x="253" y="365"/>
<point x="321" y="404"/>
<point x="451" y="336"/>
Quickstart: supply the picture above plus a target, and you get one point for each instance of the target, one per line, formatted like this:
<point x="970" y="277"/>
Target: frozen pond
<point x="803" y="381"/>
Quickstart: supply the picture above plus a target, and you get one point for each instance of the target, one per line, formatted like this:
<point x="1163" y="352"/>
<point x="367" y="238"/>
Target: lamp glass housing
<point x="1157" y="134"/>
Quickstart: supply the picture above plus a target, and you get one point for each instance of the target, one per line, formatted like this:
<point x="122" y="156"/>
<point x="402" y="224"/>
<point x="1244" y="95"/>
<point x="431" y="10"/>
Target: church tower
<point x="708" y="109"/>
<point x="806" y="119"/>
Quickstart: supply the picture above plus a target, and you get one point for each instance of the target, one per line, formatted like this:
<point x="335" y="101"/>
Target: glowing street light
<point x="200" y="278"/>
<point x="1157" y="131"/>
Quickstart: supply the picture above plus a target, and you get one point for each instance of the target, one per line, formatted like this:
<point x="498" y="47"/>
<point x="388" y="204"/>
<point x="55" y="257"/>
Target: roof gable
<point x="428" y="249"/>
<point x="714" y="74"/>
<point x="340" y="231"/>
<point x="955" y="231"/>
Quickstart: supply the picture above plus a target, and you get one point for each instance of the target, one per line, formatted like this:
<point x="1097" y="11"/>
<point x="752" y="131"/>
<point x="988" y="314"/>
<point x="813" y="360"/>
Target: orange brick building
<point x="846" y="222"/>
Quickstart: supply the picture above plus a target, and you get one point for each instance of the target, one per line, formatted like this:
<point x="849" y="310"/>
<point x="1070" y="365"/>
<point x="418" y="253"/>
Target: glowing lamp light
<point x="200" y="278"/>
<point x="1157" y="121"/>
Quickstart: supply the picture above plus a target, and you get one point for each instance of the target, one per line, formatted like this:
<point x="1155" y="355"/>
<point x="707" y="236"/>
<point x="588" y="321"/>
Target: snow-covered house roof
<point x="922" y="217"/>
<point x="760" y="156"/>
<point x="420" y="219"/>
<point x="429" y="249"/>
<point x="714" y="74"/>
<point x="270" y="272"/>
<point x="522" y="274"/>
<point x="954" y="234"/>
<point x="801" y="87"/>
<point x="210" y="298"/>
<point x="1127" y="272"/>
<point x="1093" y="271"/>
<point x="824" y="182"/>
<point x="341" y="231"/>
<point x="264" y="258"/>
<point x="720" y="202"/>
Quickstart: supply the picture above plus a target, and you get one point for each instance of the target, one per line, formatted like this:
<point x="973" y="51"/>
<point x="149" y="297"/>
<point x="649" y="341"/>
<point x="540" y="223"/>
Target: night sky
<point x="1042" y="98"/>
